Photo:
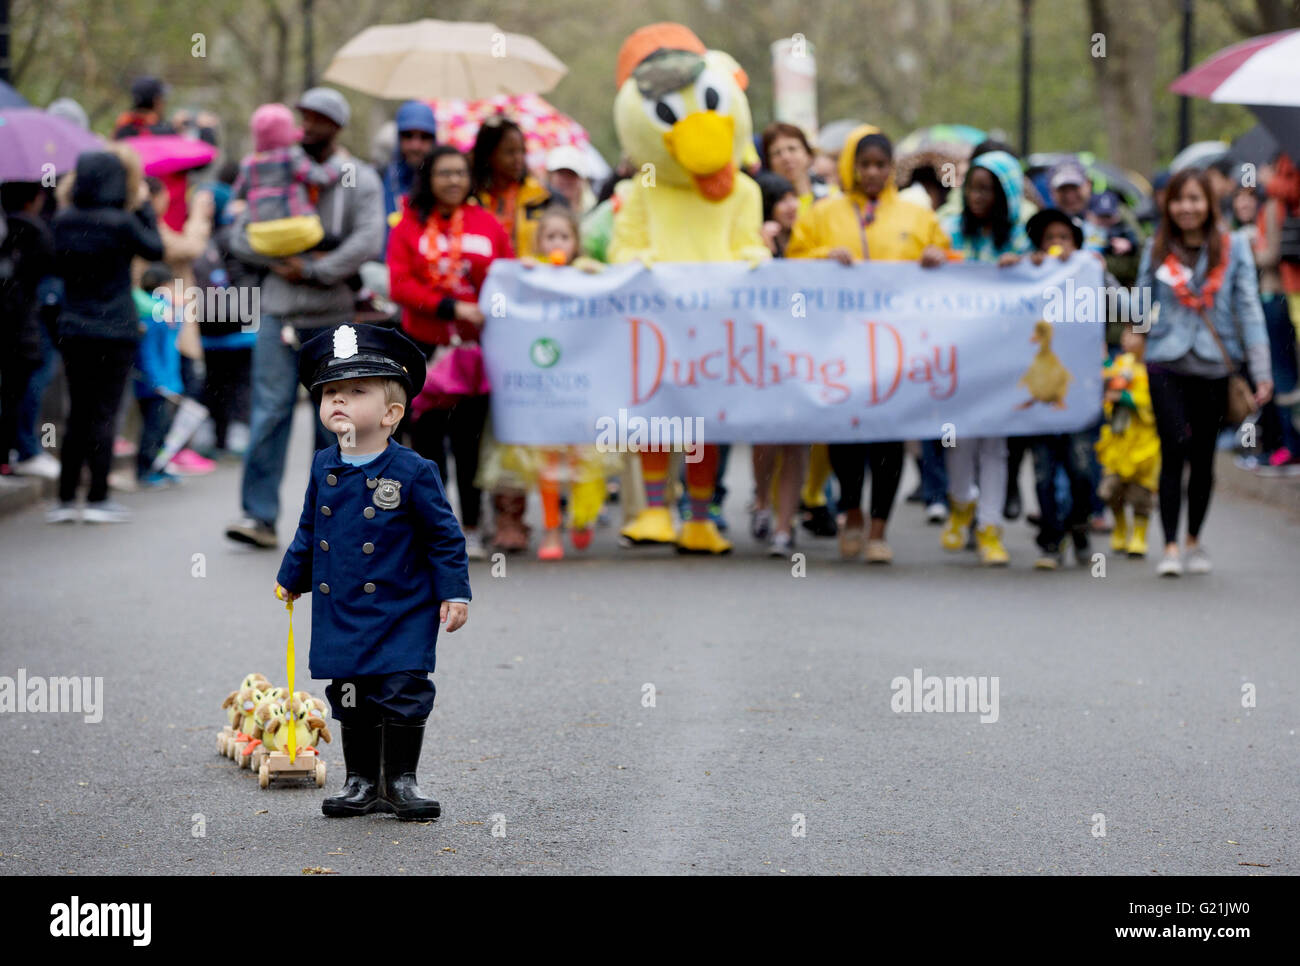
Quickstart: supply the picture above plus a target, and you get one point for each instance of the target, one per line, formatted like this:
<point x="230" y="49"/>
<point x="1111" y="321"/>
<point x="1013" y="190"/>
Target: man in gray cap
<point x="301" y="296"/>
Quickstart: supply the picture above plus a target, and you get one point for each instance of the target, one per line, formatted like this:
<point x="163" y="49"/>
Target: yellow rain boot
<point x="955" y="534"/>
<point x="702" y="536"/>
<point x="1119" y="536"/>
<point x="1137" y="542"/>
<point x="988" y="543"/>
<point x="654" y="524"/>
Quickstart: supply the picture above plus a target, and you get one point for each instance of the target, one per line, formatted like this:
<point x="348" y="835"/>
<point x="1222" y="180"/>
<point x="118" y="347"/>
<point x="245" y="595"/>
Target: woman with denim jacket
<point x="1196" y="271"/>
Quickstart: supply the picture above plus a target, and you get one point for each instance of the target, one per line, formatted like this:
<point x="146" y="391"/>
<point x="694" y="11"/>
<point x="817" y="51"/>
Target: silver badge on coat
<point x="388" y="494"/>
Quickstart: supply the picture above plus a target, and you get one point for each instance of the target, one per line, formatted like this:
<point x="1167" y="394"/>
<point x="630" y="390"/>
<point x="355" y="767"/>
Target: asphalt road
<point x="1118" y="695"/>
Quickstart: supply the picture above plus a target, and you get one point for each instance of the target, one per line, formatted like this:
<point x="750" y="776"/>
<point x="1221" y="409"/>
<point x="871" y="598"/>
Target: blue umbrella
<point x="10" y="97"/>
<point x="32" y="139"/>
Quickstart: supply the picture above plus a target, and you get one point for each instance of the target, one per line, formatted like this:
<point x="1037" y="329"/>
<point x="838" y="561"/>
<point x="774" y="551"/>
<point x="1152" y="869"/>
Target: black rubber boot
<point x="399" y="789"/>
<point x="360" y="794"/>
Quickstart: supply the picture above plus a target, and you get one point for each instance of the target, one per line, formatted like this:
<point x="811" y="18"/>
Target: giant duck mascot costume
<point x="682" y="108"/>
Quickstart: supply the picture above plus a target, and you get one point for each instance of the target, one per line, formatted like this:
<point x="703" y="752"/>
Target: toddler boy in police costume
<point x="384" y="557"/>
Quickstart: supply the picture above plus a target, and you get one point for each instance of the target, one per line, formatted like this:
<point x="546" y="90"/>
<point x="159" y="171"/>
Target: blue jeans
<point x="275" y="390"/>
<point x="1282" y="349"/>
<point x="29" y="410"/>
<point x="1072" y="453"/>
<point x="934" y="473"/>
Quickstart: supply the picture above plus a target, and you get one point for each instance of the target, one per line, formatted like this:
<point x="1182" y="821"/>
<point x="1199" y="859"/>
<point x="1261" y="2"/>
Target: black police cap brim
<point x="363" y="365"/>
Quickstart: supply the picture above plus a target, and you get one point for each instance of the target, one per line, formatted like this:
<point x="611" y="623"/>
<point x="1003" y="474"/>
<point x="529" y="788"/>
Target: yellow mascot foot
<point x="702" y="536"/>
<point x="988" y="542"/>
<point x="653" y="525"/>
<point x="955" y="534"/>
<point x="1137" y="541"/>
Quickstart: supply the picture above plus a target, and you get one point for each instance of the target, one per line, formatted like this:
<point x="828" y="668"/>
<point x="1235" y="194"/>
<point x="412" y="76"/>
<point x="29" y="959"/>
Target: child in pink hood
<point x="280" y="184"/>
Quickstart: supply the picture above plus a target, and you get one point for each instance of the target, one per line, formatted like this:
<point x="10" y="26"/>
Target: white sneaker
<point x="936" y="513"/>
<point x="63" y="513"/>
<point x="1198" y="561"/>
<point x="1170" y="565"/>
<point x="474" y="546"/>
<point x="780" y="545"/>
<point x="106" y="511"/>
<point x="42" y="464"/>
<point x="760" y="524"/>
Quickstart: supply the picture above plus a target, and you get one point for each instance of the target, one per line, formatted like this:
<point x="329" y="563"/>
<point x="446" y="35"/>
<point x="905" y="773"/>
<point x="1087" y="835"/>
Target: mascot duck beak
<point x="701" y="143"/>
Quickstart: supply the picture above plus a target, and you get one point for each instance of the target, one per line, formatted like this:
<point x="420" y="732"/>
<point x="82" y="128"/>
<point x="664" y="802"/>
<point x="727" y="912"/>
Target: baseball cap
<point x="328" y="102"/>
<point x="1104" y="205"/>
<point x="566" y="156"/>
<point x="1067" y="173"/>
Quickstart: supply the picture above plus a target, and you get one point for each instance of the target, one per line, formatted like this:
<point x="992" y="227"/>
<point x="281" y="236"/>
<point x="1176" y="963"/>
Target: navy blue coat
<point x="378" y="559"/>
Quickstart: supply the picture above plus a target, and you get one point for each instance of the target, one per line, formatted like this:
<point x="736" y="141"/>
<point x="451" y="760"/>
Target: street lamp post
<point x="1026" y="57"/>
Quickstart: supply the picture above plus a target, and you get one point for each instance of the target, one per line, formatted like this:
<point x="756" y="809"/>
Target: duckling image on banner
<point x="1047" y="379"/>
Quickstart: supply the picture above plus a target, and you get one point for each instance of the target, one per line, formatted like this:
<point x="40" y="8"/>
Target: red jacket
<point x="428" y="311"/>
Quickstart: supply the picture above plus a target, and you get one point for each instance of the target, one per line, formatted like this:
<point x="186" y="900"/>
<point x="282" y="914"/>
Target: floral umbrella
<point x="544" y="127"/>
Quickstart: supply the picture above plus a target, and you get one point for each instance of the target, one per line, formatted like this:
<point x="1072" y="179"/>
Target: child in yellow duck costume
<point x="1129" y="447"/>
<point x="681" y="114"/>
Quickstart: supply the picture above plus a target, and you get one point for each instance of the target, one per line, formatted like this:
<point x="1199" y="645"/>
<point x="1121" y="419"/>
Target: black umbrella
<point x="1283" y="123"/>
<point x="1257" y="146"/>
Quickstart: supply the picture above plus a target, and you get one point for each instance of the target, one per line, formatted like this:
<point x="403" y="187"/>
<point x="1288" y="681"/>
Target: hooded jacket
<point x="900" y="231"/>
<point x="980" y="248"/>
<point x="94" y="242"/>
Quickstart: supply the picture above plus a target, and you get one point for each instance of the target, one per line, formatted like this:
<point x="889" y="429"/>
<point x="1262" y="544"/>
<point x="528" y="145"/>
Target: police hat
<point x="358" y="352"/>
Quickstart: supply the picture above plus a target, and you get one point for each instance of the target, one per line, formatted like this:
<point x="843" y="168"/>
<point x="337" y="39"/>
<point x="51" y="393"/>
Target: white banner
<point x="794" y="350"/>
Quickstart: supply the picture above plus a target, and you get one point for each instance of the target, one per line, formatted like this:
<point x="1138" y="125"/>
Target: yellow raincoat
<point x="899" y="232"/>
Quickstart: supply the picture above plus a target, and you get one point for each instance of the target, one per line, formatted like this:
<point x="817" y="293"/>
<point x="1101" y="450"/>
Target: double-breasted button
<point x="372" y="482"/>
<point x="368" y="587"/>
<point x="324" y="544"/>
<point x="324" y="588"/>
<point x="331" y="479"/>
<point x="326" y="510"/>
<point x="368" y="512"/>
<point x="367" y="547"/>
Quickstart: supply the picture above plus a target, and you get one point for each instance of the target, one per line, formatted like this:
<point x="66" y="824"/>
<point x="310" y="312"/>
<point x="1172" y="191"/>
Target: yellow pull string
<point x="289" y="662"/>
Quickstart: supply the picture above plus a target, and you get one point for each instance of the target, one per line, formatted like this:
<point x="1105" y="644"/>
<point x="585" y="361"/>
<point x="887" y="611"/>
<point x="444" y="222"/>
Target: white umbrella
<point x="440" y="58"/>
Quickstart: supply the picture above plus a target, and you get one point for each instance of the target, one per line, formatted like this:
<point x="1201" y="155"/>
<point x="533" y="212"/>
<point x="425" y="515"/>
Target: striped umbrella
<point x="1262" y="73"/>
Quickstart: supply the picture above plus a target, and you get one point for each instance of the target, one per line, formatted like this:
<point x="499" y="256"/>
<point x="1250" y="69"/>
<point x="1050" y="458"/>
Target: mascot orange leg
<point x="655" y="523"/>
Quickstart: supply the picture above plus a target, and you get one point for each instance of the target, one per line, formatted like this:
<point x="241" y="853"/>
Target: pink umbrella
<point x="164" y="154"/>
<point x="544" y="127"/>
<point x="169" y="156"/>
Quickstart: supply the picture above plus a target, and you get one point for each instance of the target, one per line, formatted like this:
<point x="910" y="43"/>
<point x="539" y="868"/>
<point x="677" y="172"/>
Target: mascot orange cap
<point x="641" y="43"/>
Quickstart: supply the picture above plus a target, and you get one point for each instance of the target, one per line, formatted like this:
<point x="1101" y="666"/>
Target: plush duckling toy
<point x="1047" y="379"/>
<point x="248" y="700"/>
<point x="233" y="708"/>
<point x="681" y="113"/>
<point x="263" y="715"/>
<point x="296" y="715"/>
